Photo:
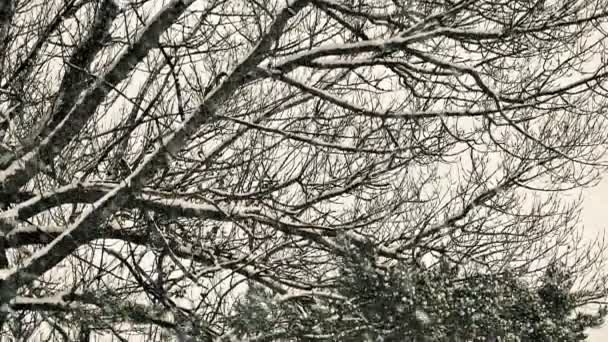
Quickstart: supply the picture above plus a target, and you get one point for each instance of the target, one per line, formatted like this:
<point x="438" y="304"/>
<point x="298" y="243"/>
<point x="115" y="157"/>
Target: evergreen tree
<point x="409" y="303"/>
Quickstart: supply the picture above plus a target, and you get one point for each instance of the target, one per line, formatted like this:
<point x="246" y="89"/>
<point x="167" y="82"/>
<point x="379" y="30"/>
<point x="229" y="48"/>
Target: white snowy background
<point x="595" y="219"/>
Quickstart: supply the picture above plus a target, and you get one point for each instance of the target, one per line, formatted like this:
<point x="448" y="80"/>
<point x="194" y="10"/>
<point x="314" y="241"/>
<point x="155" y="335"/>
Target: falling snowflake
<point x="422" y="317"/>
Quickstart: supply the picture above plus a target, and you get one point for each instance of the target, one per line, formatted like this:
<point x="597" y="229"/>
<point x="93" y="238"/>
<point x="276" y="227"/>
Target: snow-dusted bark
<point x="17" y="174"/>
<point x="20" y="171"/>
<point x="77" y="77"/>
<point x="7" y="11"/>
<point x="68" y="302"/>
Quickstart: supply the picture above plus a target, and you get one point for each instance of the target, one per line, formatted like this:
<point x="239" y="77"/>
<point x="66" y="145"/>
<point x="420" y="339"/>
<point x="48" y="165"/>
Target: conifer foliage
<point x="409" y="303"/>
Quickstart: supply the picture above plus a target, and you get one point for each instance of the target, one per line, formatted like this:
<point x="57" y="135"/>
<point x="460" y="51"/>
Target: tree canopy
<point x="405" y="303"/>
<point x="163" y="162"/>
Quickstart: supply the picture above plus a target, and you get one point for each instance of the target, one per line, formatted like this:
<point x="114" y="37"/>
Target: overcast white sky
<point x="595" y="219"/>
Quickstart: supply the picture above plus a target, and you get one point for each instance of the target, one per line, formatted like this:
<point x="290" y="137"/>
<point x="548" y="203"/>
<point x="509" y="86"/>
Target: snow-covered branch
<point x="21" y="170"/>
<point x="70" y="302"/>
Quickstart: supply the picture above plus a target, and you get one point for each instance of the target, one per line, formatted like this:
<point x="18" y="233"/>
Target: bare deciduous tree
<point x="159" y="157"/>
